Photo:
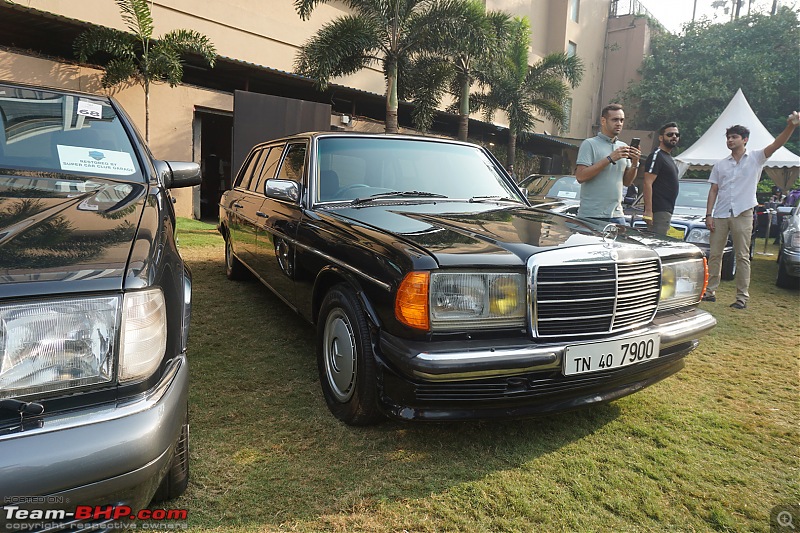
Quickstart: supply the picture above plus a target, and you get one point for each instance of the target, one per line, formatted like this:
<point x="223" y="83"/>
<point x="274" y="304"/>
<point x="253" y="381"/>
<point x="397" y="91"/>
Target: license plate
<point x="676" y="233"/>
<point x="606" y="355"/>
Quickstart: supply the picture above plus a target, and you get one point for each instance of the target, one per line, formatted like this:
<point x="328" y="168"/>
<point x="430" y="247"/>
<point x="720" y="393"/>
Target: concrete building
<point x="257" y="42"/>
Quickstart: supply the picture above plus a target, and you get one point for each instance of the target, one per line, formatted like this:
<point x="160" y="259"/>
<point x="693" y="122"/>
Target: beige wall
<point x="171" y="109"/>
<point x="628" y="44"/>
<point x="264" y="32"/>
<point x="551" y="31"/>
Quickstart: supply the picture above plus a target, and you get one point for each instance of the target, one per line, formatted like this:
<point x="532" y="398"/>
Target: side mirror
<point x="177" y="174"/>
<point x="283" y="190"/>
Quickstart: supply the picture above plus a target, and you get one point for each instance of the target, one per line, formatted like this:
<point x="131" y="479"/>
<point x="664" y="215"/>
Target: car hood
<point x="65" y="235"/>
<point x="489" y="234"/>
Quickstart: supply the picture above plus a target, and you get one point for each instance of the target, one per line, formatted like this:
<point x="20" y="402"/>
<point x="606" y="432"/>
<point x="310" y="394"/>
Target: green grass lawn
<point x="713" y="448"/>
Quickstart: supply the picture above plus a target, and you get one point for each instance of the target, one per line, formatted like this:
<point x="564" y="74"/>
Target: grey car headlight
<point x="466" y="299"/>
<point x="792" y="238"/>
<point x="682" y="283"/>
<point x="701" y="235"/>
<point x="59" y="344"/>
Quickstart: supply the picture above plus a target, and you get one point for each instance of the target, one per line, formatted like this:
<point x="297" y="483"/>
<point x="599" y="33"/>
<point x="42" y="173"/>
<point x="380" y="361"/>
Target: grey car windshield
<point x="350" y="168"/>
<point x="64" y="134"/>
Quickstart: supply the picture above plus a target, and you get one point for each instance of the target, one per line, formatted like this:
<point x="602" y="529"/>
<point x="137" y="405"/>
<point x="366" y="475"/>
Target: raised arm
<point x="780" y="140"/>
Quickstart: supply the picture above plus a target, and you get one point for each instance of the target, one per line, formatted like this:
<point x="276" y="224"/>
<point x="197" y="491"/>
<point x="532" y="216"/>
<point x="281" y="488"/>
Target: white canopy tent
<point x="783" y="167"/>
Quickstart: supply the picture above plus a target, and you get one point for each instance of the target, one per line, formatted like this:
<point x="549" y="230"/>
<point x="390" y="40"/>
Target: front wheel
<point x="345" y="360"/>
<point x="177" y="479"/>
<point x="728" y="266"/>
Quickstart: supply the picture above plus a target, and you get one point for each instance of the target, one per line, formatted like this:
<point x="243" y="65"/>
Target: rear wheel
<point x="177" y="479"/>
<point x="345" y="360"/>
<point x="234" y="268"/>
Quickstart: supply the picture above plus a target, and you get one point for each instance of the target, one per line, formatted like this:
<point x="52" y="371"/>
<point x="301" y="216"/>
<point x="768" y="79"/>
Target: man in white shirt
<point x="730" y="204"/>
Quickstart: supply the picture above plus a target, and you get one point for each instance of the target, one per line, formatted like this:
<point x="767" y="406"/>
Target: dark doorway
<point x="215" y="160"/>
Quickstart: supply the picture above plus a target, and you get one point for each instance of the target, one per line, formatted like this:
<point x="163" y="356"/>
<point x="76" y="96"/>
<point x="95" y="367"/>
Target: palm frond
<point x="119" y="70"/>
<point x="137" y="17"/>
<point x="190" y="41"/>
<point x="105" y="41"/>
<point x="341" y="47"/>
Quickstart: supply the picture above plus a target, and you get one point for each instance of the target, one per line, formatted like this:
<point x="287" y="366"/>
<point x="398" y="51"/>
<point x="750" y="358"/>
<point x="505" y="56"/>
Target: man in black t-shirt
<point x="661" y="180"/>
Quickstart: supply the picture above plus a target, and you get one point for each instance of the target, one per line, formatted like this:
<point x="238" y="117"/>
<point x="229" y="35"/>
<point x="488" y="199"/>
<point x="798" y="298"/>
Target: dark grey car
<point x="94" y="312"/>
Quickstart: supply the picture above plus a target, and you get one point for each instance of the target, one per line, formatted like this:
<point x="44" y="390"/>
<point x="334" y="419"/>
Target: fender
<point x="329" y="276"/>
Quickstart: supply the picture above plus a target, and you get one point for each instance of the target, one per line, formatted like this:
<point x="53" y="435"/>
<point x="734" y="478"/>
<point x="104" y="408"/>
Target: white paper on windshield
<point x="79" y="159"/>
<point x="567" y="194"/>
<point x="90" y="109"/>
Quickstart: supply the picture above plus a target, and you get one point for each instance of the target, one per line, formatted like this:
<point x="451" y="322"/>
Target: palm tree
<point x="450" y="69"/>
<point x="523" y="91"/>
<point x="137" y="56"/>
<point x="377" y="32"/>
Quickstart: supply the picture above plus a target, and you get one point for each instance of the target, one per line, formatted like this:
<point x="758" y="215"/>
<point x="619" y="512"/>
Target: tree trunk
<point x="391" y="101"/>
<point x="147" y="113"/>
<point x="512" y="149"/>
<point x="463" y="119"/>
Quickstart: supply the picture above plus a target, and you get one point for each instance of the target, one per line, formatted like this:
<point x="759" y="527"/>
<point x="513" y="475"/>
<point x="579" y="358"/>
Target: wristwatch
<point x="611" y="160"/>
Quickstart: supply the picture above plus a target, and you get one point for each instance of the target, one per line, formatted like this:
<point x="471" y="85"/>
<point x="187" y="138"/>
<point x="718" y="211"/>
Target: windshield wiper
<point x="493" y="199"/>
<point x="391" y="194"/>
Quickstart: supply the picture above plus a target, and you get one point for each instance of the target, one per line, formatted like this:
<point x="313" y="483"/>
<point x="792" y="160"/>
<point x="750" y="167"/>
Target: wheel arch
<point x="331" y="276"/>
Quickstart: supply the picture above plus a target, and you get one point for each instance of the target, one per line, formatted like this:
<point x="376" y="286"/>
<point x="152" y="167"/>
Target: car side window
<point x="246" y="174"/>
<point x="270" y="165"/>
<point x="294" y="163"/>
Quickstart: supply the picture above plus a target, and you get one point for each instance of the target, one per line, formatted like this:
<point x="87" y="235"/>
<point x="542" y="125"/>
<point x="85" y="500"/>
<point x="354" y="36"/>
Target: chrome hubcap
<point x="339" y="353"/>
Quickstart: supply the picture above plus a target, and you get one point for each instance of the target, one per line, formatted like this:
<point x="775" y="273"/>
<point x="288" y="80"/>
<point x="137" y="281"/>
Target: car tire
<point x="728" y="266"/>
<point x="345" y="360"/>
<point x="784" y="280"/>
<point x="234" y="269"/>
<point x="177" y="479"/>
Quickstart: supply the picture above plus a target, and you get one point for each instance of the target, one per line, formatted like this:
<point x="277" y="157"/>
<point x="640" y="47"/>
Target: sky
<point x="674" y="13"/>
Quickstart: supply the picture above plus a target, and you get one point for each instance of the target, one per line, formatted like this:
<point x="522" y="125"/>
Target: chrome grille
<point x="594" y="296"/>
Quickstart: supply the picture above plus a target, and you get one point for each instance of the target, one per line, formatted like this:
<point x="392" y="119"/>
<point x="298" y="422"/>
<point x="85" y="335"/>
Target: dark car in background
<point x="436" y="290"/>
<point x="548" y="188"/>
<point x="688" y="222"/>
<point x="94" y="312"/>
<point x="789" y="252"/>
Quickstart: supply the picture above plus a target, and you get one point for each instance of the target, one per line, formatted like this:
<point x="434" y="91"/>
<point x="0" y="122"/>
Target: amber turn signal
<point x="411" y="304"/>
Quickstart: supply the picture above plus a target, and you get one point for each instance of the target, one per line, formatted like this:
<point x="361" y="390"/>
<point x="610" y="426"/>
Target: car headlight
<point x="792" y="238"/>
<point x="58" y="344"/>
<point x="699" y="235"/>
<point x="455" y="300"/>
<point x="682" y="283"/>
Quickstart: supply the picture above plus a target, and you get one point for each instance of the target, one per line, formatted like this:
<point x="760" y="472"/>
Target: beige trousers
<point x="740" y="228"/>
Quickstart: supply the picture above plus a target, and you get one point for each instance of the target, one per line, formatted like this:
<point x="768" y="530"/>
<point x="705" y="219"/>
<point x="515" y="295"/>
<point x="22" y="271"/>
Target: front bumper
<point x="479" y="379"/>
<point x="791" y="261"/>
<point x="113" y="454"/>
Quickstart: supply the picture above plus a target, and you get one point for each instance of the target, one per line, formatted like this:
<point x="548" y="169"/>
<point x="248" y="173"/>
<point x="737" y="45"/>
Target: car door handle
<point x="238" y="205"/>
<point x="261" y="214"/>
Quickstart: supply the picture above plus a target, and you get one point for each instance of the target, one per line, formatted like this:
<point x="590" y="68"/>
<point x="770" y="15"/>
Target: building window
<point x="574" y="7"/>
<point x="572" y="49"/>
<point x="568" y="116"/>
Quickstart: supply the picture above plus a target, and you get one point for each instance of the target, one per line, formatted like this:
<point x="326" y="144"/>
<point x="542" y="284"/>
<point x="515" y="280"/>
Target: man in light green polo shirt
<point x="604" y="165"/>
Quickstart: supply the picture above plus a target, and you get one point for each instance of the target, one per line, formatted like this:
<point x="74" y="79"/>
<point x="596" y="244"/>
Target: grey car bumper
<point x="114" y="454"/>
<point x="791" y="261"/>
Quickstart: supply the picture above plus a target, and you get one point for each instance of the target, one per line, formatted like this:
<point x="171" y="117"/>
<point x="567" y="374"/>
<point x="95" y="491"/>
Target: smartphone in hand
<point x="635" y="143"/>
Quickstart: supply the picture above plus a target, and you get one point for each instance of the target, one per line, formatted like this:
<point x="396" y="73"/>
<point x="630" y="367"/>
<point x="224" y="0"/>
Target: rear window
<point x="64" y="133"/>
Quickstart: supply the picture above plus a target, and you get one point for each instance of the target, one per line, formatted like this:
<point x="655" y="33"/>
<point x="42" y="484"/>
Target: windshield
<point x="63" y="133"/>
<point x="359" y="167"/>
